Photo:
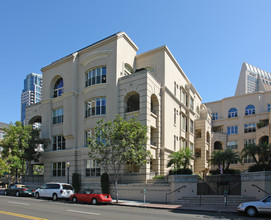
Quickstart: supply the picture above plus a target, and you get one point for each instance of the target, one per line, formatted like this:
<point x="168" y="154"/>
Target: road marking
<point x="21" y="215"/>
<point x="89" y="213"/>
<point x="18" y="203"/>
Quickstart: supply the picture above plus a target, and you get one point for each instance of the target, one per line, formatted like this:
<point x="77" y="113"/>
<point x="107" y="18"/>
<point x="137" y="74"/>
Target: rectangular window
<point x="58" y="116"/>
<point x="268" y="107"/>
<point x="232" y="145"/>
<point x="214" y="116"/>
<point x="175" y="142"/>
<point x="249" y="141"/>
<point x="175" y="116"/>
<point x="250" y="128"/>
<point x="248" y="159"/>
<point x="192" y="103"/>
<point x="232" y="130"/>
<point x="184" y="123"/>
<point x="92" y="168"/>
<point x="89" y="134"/>
<point x="184" y="98"/>
<point x="59" y="143"/>
<point x="59" y="169"/>
<point x="95" y="107"/>
<point x="191" y="127"/>
<point x="175" y="88"/>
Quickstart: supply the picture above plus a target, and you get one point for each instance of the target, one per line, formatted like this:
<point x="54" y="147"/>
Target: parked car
<point x="89" y="196"/>
<point x="254" y="208"/>
<point x="55" y="191"/>
<point x="19" y="190"/>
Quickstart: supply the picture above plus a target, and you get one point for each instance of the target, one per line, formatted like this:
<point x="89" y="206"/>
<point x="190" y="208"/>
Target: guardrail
<point x="174" y="191"/>
<point x="260" y="189"/>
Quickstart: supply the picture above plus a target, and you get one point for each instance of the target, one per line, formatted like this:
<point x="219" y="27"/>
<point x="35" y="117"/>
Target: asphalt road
<point x="13" y="208"/>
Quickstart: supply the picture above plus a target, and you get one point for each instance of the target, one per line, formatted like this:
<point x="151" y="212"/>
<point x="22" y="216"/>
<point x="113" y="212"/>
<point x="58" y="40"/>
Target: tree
<point x="180" y="158"/>
<point x="117" y="142"/>
<point x="21" y="141"/>
<point x="261" y="153"/>
<point x="223" y="159"/>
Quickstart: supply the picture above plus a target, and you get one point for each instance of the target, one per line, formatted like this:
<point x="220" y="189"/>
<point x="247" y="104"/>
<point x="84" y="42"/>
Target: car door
<point x="265" y="205"/>
<point x="42" y="190"/>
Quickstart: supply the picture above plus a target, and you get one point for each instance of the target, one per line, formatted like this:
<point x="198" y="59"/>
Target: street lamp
<point x="68" y="167"/>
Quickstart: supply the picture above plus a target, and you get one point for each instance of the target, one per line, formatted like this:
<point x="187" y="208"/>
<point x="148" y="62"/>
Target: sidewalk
<point x="207" y="208"/>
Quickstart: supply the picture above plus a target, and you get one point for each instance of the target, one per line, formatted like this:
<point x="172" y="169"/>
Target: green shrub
<point x="229" y="171"/>
<point x="76" y="182"/>
<point x="261" y="167"/>
<point x="158" y="177"/>
<point x="105" y="183"/>
<point x="180" y="172"/>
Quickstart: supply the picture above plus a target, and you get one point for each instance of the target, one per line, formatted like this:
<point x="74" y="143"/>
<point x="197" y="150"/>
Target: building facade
<point x="31" y="92"/>
<point x="244" y="118"/>
<point x="109" y="78"/>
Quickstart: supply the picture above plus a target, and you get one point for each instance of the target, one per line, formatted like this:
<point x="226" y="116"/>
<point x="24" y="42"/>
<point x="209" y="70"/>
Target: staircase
<point x="232" y="200"/>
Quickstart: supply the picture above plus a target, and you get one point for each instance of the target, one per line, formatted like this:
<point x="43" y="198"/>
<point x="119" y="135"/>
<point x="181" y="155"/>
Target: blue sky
<point x="210" y="39"/>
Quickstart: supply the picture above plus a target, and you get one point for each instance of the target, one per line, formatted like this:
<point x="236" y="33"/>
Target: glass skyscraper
<point x="31" y="92"/>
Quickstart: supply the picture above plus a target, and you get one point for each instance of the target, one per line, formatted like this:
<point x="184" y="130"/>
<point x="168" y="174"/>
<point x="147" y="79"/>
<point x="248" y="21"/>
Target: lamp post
<point x="68" y="168"/>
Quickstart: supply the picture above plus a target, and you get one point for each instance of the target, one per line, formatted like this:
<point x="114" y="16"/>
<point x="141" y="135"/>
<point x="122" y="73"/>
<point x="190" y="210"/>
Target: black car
<point x="19" y="190"/>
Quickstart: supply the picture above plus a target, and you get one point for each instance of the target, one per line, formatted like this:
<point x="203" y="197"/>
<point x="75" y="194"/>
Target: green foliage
<point x="21" y="141"/>
<point x="183" y="171"/>
<point x="228" y="171"/>
<point x="117" y="142"/>
<point x="159" y="177"/>
<point x="223" y="159"/>
<point x="4" y="167"/>
<point x="259" y="167"/>
<point x="261" y="154"/>
<point x="76" y="182"/>
<point x="105" y="183"/>
<point x="181" y="158"/>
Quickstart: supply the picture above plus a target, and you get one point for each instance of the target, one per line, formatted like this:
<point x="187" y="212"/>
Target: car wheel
<point x="55" y="197"/>
<point x="251" y="211"/>
<point x="17" y="194"/>
<point x="94" y="201"/>
<point x="37" y="195"/>
<point x="74" y="199"/>
<point x="6" y="192"/>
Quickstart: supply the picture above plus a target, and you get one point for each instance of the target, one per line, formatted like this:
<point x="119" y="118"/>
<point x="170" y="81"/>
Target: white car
<point x="54" y="191"/>
<point x="254" y="208"/>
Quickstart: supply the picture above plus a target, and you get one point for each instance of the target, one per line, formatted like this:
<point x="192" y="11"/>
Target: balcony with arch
<point x="132" y="105"/>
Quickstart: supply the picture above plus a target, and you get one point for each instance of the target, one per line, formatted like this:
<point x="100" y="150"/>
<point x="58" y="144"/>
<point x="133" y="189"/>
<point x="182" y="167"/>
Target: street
<point x="12" y="208"/>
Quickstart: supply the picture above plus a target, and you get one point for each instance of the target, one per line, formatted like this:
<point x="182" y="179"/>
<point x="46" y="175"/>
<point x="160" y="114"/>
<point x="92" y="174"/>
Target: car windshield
<point x="68" y="187"/>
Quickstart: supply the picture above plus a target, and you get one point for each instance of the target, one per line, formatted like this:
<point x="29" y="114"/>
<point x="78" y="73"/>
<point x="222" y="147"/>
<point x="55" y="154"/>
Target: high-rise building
<point x="252" y="79"/>
<point x="31" y="93"/>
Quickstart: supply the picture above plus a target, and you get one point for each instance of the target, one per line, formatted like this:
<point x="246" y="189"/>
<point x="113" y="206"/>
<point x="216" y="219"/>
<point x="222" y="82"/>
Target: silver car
<point x="54" y="191"/>
<point x="254" y="208"/>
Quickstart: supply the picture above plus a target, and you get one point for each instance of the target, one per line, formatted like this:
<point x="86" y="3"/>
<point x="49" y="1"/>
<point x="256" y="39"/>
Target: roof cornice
<point x="91" y="47"/>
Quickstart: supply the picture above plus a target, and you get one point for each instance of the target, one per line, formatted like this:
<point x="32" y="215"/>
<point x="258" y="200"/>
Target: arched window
<point x="233" y="113"/>
<point x="218" y="145"/>
<point x="250" y="110"/>
<point x="58" y="88"/>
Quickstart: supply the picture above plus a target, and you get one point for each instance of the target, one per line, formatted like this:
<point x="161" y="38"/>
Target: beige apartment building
<point x="244" y="118"/>
<point x="109" y="78"/>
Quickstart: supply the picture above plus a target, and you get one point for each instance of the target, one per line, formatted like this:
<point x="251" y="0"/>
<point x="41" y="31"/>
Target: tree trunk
<point x="116" y="189"/>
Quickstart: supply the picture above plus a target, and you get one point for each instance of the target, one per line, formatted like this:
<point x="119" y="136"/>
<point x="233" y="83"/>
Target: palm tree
<point x="187" y="157"/>
<point x="223" y="159"/>
<point x="175" y="158"/>
<point x="181" y="158"/>
<point x="251" y="150"/>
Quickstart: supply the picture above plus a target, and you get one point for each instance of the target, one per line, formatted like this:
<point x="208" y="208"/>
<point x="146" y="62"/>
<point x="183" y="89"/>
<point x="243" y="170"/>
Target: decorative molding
<point x="95" y="56"/>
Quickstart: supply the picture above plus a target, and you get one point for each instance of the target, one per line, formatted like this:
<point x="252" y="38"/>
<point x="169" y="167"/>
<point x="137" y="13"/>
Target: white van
<point x="54" y="191"/>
